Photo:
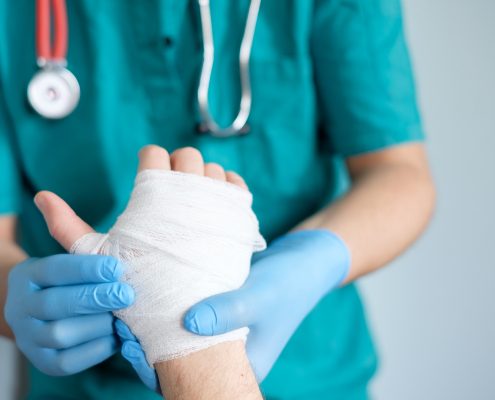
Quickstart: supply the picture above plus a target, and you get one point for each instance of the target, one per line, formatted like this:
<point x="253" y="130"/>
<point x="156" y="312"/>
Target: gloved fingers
<point x="63" y="223"/>
<point x="219" y="314"/>
<point x="76" y="359"/>
<point x="71" y="332"/>
<point x="70" y="301"/>
<point x="133" y="353"/>
<point x="66" y="269"/>
<point x="124" y="331"/>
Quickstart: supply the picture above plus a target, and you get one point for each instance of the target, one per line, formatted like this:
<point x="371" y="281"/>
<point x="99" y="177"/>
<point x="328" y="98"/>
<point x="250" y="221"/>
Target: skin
<point x="389" y="204"/>
<point x="220" y="372"/>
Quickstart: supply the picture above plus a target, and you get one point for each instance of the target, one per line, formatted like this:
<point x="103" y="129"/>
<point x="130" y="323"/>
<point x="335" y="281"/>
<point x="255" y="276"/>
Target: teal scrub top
<point x="330" y="79"/>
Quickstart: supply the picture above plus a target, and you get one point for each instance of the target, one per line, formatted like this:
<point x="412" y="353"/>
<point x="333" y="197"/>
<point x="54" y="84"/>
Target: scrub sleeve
<point x="363" y="74"/>
<point x="9" y="175"/>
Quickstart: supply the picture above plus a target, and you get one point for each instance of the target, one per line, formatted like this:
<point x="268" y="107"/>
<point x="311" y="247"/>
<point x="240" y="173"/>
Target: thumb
<point x="219" y="314"/>
<point x="63" y="223"/>
<point x="133" y="353"/>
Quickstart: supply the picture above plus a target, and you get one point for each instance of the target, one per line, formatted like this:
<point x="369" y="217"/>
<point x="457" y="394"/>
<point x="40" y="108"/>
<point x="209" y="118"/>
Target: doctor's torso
<point x="317" y="72"/>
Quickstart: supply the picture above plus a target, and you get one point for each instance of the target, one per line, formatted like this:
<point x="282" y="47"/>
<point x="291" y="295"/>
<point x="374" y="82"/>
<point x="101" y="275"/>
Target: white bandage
<point x="183" y="238"/>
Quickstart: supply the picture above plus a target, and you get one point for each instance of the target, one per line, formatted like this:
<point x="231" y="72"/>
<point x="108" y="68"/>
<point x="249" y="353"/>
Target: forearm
<point x="10" y="255"/>
<point x="386" y="209"/>
<point x="219" y="372"/>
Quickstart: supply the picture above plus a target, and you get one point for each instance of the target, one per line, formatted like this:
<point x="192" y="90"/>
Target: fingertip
<point x="153" y="157"/>
<point x="131" y="350"/>
<point x="126" y="294"/>
<point x="39" y="200"/>
<point x="112" y="269"/>
<point x="124" y="331"/>
<point x="236" y="179"/>
<point x="115" y="296"/>
<point x="200" y="319"/>
<point x="62" y="222"/>
<point x="190" y="322"/>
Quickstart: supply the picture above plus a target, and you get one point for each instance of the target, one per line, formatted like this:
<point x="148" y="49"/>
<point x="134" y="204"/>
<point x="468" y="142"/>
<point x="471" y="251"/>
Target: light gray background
<point x="433" y="310"/>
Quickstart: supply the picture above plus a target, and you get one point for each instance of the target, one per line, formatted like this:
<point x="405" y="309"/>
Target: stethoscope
<point x="54" y="91"/>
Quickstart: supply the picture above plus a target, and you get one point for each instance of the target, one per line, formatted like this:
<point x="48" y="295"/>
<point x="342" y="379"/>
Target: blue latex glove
<point x="286" y="282"/>
<point x="59" y="310"/>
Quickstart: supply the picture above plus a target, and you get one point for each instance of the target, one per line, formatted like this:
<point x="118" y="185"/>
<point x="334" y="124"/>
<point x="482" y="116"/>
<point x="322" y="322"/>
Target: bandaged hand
<point x="183" y="237"/>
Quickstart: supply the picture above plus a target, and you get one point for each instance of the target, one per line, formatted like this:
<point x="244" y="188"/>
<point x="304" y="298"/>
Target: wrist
<point x="219" y="372"/>
<point x="325" y="250"/>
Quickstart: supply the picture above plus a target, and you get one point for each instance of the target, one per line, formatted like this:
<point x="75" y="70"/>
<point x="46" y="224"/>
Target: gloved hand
<point x="286" y="282"/>
<point x="59" y="309"/>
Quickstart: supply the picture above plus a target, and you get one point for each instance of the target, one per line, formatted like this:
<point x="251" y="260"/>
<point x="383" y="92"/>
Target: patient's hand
<point x="218" y="372"/>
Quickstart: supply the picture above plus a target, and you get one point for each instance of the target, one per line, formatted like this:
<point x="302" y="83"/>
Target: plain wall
<point x="433" y="310"/>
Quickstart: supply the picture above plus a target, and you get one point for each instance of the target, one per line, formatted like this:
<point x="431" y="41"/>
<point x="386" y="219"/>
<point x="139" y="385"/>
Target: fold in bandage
<point x="183" y="238"/>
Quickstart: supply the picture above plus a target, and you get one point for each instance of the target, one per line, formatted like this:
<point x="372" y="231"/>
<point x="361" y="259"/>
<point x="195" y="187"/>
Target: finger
<point x="124" y="331"/>
<point x="82" y="357"/>
<point x="133" y="353"/>
<point x="71" y="301"/>
<point x="153" y="157"/>
<point x="68" y="269"/>
<point x="236" y="179"/>
<point x="219" y="314"/>
<point x="63" y="223"/>
<point x="188" y="160"/>
<point x="214" y="171"/>
<point x="71" y="332"/>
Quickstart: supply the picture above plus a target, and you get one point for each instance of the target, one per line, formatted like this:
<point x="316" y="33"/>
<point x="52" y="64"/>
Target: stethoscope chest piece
<point x="54" y="92"/>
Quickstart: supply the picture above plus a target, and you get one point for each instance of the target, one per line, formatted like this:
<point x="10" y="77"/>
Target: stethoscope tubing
<point x="239" y="125"/>
<point x="54" y="91"/>
<point x="45" y="51"/>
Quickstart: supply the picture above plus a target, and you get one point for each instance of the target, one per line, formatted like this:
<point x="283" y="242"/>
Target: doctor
<point x="327" y="136"/>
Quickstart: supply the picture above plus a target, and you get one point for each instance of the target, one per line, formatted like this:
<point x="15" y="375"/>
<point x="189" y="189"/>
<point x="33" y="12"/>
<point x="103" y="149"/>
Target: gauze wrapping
<point x="183" y="238"/>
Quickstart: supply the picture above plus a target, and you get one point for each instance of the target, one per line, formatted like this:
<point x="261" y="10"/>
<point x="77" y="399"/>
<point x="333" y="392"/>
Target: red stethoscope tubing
<point x="44" y="49"/>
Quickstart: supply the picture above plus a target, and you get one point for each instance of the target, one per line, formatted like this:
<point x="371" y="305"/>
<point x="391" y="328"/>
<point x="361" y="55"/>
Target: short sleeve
<point x="363" y="74"/>
<point x="9" y="173"/>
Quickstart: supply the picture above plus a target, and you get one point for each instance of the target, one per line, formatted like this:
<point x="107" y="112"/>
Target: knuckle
<point x="56" y="229"/>
<point x="238" y="308"/>
<point x="19" y="273"/>
<point x="43" y="306"/>
<point x="55" y="259"/>
<point x="57" y="336"/>
<point x="47" y="304"/>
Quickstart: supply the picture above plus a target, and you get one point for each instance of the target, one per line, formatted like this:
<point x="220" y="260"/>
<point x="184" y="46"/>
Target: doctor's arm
<point x="366" y="92"/>
<point x="10" y="255"/>
<point x="389" y="205"/>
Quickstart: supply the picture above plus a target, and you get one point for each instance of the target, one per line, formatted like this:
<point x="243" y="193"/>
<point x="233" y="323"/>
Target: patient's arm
<point x="221" y="372"/>
<point x="218" y="372"/>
